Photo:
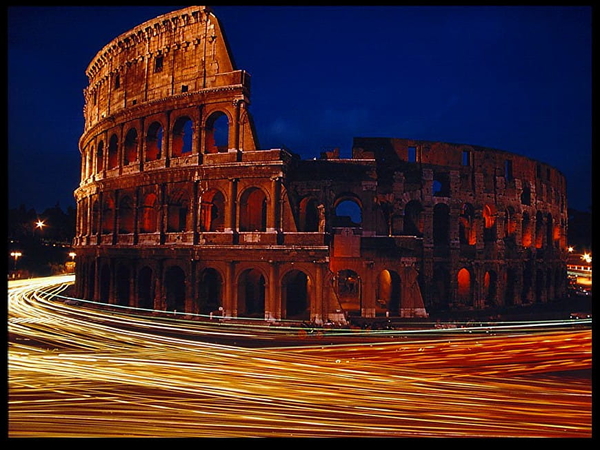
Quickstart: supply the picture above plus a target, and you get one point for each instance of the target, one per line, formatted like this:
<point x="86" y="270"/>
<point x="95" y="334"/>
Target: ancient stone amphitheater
<point x="178" y="210"/>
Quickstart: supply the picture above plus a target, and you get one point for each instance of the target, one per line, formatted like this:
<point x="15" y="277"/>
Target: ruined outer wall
<point x="155" y="60"/>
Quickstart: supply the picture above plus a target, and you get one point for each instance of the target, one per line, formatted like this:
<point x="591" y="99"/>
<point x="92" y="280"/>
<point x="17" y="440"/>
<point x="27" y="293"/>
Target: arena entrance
<point x="175" y="289"/>
<point x="295" y="295"/>
<point x="251" y="294"/>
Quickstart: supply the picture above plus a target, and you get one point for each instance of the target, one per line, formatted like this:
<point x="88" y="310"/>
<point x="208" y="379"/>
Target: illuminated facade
<point x="178" y="208"/>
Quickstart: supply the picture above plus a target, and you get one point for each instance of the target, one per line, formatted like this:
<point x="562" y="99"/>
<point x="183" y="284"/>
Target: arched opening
<point x="441" y="224"/>
<point x="413" y="220"/>
<point x="253" y="210"/>
<point x="217" y="133"/>
<point x="466" y="229"/>
<point x="388" y="291"/>
<point x="295" y="292"/>
<point x="510" y="226"/>
<point x="540" y="286"/>
<point x="251" y="293"/>
<point x="123" y="282"/>
<point x="154" y="141"/>
<point x="100" y="157"/>
<point x="527" y="284"/>
<point x="174" y="283"/>
<point x="464" y="291"/>
<point x="131" y="147"/>
<point x="349" y="291"/>
<point x="105" y="284"/>
<point x="177" y="212"/>
<point x="126" y="216"/>
<point x="510" y="287"/>
<point x="146" y="288"/>
<point x="91" y="282"/>
<point x="348" y="213"/>
<point x="212" y="211"/>
<point x="148" y="216"/>
<point x="182" y="137"/>
<point x="539" y="229"/>
<point x="489" y="223"/>
<point x="113" y="152"/>
<point x="526" y="230"/>
<point x="108" y="215"/>
<point x="490" y="286"/>
<point x="210" y="291"/>
<point x="95" y="217"/>
<point x="440" y="289"/>
<point x="309" y="214"/>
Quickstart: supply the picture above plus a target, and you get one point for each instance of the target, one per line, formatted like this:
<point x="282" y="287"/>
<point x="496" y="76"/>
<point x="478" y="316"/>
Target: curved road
<point x="76" y="371"/>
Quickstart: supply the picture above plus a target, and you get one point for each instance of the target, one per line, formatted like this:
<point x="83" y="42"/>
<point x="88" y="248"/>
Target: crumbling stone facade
<point x="179" y="209"/>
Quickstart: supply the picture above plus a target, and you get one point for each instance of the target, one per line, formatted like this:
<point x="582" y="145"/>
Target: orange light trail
<point x="78" y="372"/>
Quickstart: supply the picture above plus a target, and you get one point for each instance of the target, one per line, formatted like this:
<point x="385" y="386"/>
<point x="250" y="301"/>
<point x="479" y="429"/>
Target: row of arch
<point x="169" y="289"/>
<point x="151" y="145"/>
<point x="252" y="216"/>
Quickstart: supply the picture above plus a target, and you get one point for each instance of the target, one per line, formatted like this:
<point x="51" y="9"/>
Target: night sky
<point x="511" y="78"/>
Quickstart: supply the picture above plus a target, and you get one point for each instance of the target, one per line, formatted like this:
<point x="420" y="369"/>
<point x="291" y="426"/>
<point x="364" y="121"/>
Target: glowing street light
<point x="72" y="255"/>
<point x="587" y="257"/>
<point x="16" y="255"/>
<point x="40" y="224"/>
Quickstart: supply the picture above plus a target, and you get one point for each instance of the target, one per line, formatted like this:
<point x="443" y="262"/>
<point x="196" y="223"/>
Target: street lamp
<point x="16" y="255"/>
<point x="40" y="224"/>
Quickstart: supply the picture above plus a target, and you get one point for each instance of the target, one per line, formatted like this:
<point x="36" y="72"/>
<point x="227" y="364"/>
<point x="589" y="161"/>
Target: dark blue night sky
<point x="511" y="78"/>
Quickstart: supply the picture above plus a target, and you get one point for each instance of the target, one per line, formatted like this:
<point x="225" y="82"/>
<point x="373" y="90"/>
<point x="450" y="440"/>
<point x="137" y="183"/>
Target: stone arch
<point x="175" y="291"/>
<point x="177" y="211"/>
<point x="148" y="215"/>
<point x="212" y="211"/>
<point x="489" y="223"/>
<point x="388" y="293"/>
<point x="295" y="295"/>
<point x="105" y="283"/>
<point x="145" y="288"/>
<point x="348" y="289"/>
<point x="464" y="291"/>
<point x="309" y="215"/>
<point x="526" y="237"/>
<point x="126" y="215"/>
<point x="108" y="214"/>
<point x="413" y="218"/>
<point x="490" y="286"/>
<point x="539" y="229"/>
<point x="154" y="141"/>
<point x="210" y="291"/>
<point x="100" y="157"/>
<point x="253" y="210"/>
<point x="123" y="284"/>
<point x="440" y="289"/>
<point x="348" y="211"/>
<point x="510" y="286"/>
<point x="441" y="224"/>
<point x="131" y="147"/>
<point x="467" y="232"/>
<point x="113" y="152"/>
<point x="251" y="293"/>
<point x="216" y="138"/>
<point x="182" y="137"/>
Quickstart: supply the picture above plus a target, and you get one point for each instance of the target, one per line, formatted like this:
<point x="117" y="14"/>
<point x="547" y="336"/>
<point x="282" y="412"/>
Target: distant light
<point x="587" y="257"/>
<point x="571" y="249"/>
<point x="40" y="224"/>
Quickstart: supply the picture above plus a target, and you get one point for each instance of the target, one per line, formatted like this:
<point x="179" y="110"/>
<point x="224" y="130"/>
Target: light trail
<point x="83" y="372"/>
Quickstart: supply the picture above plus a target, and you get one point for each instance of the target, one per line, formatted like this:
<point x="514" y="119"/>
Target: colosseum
<point x="180" y="210"/>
